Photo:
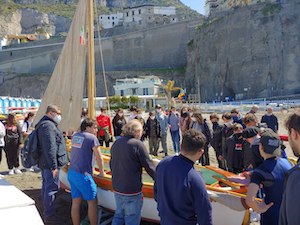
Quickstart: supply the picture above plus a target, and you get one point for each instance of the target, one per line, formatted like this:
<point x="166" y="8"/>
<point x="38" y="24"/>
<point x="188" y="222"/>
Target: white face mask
<point x="158" y="110"/>
<point x="194" y="119"/>
<point x="152" y="117"/>
<point x="228" y="123"/>
<point x="57" y="119"/>
<point x="121" y="114"/>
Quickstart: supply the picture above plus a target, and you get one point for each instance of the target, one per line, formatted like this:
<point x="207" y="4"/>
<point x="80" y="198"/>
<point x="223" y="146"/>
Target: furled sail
<point x="66" y="85"/>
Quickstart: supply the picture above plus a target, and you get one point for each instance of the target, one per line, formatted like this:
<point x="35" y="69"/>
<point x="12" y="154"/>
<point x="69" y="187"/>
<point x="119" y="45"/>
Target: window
<point x="149" y="18"/>
<point x="133" y="13"/>
<point x="134" y="91"/>
<point x="122" y="92"/>
<point x="127" y="14"/>
<point x="113" y="18"/>
<point x="133" y="19"/>
<point x="108" y="17"/>
<point x="101" y="17"/>
<point x="113" y="23"/>
<point x="140" y="11"/>
<point x="145" y="91"/>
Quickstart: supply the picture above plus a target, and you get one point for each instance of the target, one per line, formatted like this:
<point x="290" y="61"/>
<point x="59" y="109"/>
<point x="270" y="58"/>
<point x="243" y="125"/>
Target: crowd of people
<point x="242" y="145"/>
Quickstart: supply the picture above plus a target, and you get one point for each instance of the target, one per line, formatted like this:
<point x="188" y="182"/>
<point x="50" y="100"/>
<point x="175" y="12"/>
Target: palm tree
<point x="169" y="88"/>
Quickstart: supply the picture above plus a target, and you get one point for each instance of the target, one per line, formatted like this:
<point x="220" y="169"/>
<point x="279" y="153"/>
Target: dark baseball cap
<point x="158" y="106"/>
<point x="250" y="132"/>
<point x="270" y="141"/>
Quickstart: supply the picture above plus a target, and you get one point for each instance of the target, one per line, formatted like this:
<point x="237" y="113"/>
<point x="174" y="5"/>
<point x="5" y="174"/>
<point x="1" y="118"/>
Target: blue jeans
<point x="49" y="190"/>
<point x="176" y="140"/>
<point x="163" y="141"/>
<point x="128" y="209"/>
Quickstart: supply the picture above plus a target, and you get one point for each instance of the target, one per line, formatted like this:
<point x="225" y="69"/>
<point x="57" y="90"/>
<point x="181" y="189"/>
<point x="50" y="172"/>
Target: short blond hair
<point x="52" y="108"/>
<point x="132" y="128"/>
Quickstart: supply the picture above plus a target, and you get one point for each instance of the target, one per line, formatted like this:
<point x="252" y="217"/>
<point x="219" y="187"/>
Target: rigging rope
<point x="102" y="63"/>
<point x="101" y="57"/>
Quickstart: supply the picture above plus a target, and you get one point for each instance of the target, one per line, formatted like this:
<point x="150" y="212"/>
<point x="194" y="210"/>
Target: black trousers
<point x="102" y="140"/>
<point x="12" y="153"/>
<point x="1" y="148"/>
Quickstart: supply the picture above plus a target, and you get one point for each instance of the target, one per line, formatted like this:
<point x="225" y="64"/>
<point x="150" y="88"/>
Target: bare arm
<point x="99" y="160"/>
<point x="259" y="207"/>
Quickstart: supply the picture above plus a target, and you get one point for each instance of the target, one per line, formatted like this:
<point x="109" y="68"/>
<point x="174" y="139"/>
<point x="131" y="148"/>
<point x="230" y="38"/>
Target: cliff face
<point x="27" y="21"/>
<point x="247" y="53"/>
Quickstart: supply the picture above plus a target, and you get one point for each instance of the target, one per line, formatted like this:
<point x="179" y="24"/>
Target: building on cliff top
<point x="141" y="16"/>
<point x="212" y="6"/>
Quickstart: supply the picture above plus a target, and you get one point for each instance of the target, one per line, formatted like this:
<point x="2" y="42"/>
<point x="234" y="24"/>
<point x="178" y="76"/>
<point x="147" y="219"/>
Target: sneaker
<point x="30" y="169"/>
<point x="18" y="171"/>
<point x="36" y="168"/>
<point x="11" y="172"/>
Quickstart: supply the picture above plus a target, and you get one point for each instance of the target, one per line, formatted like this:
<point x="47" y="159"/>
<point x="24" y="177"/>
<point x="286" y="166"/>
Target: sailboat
<point x="65" y="89"/>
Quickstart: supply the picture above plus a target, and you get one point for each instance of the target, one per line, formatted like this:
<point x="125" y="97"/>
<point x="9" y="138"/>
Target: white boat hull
<point x="222" y="215"/>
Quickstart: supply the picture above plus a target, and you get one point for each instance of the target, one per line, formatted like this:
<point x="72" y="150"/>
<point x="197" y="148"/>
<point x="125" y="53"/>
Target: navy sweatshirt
<point x="128" y="158"/>
<point x="180" y="193"/>
<point x="271" y="121"/>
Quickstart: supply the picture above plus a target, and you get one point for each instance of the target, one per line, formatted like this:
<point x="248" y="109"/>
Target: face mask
<point x="121" y="114"/>
<point x="158" y="110"/>
<point x="152" y="117"/>
<point x="228" y="123"/>
<point x="194" y="119"/>
<point x="57" y="119"/>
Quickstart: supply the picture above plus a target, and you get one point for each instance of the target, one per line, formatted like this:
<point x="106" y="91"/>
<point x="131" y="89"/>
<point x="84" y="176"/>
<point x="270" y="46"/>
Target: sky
<point x="197" y="5"/>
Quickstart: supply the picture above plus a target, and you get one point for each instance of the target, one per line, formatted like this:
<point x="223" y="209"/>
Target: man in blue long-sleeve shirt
<point x="179" y="189"/>
<point x="270" y="119"/>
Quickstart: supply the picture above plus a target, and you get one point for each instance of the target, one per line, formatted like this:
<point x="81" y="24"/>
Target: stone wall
<point x="156" y="48"/>
<point x="34" y="85"/>
<point x="251" y="52"/>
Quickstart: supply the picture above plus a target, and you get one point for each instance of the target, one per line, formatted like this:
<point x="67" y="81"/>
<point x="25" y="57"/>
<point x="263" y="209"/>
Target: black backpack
<point x="30" y="153"/>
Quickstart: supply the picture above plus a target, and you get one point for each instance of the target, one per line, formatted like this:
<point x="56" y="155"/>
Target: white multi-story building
<point x="148" y="14"/>
<point x="111" y="20"/>
<point x="140" y="15"/>
<point x="150" y="85"/>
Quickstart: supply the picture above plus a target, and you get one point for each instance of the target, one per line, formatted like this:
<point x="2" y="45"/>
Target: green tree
<point x="124" y="100"/>
<point x="134" y="100"/>
<point x="115" y="100"/>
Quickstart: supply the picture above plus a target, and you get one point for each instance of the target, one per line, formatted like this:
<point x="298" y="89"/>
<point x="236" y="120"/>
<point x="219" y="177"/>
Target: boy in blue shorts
<point x="84" y="145"/>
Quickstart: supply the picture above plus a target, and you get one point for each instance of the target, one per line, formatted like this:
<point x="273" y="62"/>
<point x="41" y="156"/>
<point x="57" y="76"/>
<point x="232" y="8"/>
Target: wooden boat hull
<point x="222" y="214"/>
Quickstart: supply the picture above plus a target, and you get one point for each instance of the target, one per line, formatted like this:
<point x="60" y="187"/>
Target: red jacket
<point x="104" y="121"/>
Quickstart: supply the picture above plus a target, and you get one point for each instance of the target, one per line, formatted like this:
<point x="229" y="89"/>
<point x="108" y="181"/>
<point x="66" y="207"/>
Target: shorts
<point x="82" y="185"/>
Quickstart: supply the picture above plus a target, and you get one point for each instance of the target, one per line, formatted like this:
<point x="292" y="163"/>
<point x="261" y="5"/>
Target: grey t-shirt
<point x="82" y="152"/>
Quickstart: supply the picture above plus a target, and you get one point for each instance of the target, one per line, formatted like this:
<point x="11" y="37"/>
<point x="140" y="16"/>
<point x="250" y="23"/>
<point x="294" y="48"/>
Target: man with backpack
<point x="52" y="156"/>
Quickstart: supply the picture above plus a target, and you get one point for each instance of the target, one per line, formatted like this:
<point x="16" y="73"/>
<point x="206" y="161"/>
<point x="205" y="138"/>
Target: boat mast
<point x="91" y="65"/>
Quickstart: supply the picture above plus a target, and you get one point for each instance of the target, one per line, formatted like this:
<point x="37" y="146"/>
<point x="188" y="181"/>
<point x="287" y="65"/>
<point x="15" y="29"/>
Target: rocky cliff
<point x="248" y="52"/>
<point x="28" y="21"/>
